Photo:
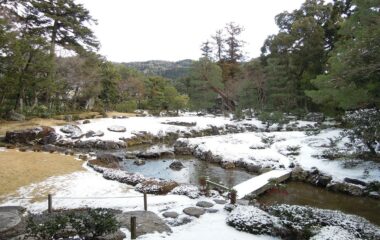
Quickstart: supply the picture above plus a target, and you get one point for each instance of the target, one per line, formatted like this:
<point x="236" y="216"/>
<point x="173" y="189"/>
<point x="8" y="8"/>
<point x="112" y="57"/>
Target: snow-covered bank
<point x="281" y="150"/>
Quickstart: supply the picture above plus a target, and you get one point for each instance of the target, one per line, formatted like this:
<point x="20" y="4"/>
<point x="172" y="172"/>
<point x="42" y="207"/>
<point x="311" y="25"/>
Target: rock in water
<point x="194" y="211"/>
<point x="139" y="162"/>
<point x="116" y="128"/>
<point x="176" y="165"/>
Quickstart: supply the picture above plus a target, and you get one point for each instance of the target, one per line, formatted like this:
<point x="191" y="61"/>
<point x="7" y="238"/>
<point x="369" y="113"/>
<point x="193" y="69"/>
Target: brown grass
<point x="18" y="169"/>
<point x="111" y="114"/>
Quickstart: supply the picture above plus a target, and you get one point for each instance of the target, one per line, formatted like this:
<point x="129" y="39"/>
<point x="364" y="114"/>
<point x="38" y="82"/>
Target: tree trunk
<point x="21" y="93"/>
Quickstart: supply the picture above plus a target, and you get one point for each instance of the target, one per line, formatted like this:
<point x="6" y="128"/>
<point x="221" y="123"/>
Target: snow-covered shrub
<point x="364" y="125"/>
<point x="186" y="189"/>
<point x="253" y="220"/>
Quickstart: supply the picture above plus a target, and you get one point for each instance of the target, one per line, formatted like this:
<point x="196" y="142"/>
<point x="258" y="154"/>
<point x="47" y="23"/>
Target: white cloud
<point x="138" y="30"/>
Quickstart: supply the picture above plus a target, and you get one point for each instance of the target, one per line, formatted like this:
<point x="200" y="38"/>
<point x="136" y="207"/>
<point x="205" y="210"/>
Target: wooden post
<point x="233" y="196"/>
<point x="145" y="202"/>
<point x="50" y="203"/>
<point x="133" y="227"/>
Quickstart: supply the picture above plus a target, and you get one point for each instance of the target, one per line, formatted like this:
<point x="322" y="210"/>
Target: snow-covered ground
<point x="251" y="149"/>
<point x="72" y="190"/>
<point x="153" y="125"/>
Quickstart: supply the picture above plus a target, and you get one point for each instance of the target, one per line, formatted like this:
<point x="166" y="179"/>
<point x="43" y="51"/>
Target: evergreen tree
<point x="353" y="78"/>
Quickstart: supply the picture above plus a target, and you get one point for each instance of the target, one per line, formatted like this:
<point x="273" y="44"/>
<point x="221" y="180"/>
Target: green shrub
<point x="83" y="223"/>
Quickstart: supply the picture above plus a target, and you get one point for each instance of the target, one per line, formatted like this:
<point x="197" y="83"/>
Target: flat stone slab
<point x="11" y="219"/>
<point x="147" y="222"/>
<point x="194" y="211"/>
<point x="116" y="128"/>
<point x="204" y="204"/>
<point x="220" y="201"/>
<point x="170" y="214"/>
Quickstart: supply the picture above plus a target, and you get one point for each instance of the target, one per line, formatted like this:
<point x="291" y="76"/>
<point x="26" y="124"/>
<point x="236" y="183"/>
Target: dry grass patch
<point x="117" y="114"/>
<point x="18" y="169"/>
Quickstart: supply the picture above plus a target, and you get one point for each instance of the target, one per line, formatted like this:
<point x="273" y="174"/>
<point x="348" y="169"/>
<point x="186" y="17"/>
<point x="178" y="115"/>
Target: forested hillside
<point x="166" y="69"/>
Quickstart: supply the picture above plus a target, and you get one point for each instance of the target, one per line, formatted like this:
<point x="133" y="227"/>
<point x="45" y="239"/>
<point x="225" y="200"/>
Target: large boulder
<point x="147" y="222"/>
<point x="12" y="222"/>
<point x="176" y="165"/>
<point x="40" y="135"/>
<point x="107" y="160"/>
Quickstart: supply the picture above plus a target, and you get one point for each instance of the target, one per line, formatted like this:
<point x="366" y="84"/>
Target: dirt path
<point x="18" y="169"/>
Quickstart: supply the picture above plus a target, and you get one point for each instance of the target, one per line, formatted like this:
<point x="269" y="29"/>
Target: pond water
<point x="304" y="194"/>
<point x="193" y="170"/>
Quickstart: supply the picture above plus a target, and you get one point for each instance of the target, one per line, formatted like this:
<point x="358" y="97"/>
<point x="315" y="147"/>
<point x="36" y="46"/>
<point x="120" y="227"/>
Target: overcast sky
<point x="140" y="30"/>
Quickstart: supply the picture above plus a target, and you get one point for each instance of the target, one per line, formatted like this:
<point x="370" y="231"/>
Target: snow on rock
<point x="253" y="220"/>
<point x="333" y="233"/>
<point x="188" y="190"/>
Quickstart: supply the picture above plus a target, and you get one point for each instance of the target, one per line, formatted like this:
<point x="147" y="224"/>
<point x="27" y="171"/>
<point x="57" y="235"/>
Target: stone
<point x="147" y="222"/>
<point x="14" y="116"/>
<point x="107" y="160"/>
<point x="86" y="121"/>
<point x="167" y="154"/>
<point x="179" y="221"/>
<point x="71" y="130"/>
<point x="227" y="165"/>
<point x="176" y="165"/>
<point x="12" y="222"/>
<point x="185" y="124"/>
<point x="116" y="128"/>
<point x="299" y="174"/>
<point x="204" y="204"/>
<point x="170" y="214"/>
<point x="99" y="133"/>
<point x="292" y="165"/>
<point x="229" y="207"/>
<point x="194" y="211"/>
<point x="211" y="210"/>
<point x="139" y="162"/>
<point x="324" y="180"/>
<point x="90" y="134"/>
<point x="352" y="189"/>
<point x="220" y="201"/>
<point x="148" y="155"/>
<point x="355" y="181"/>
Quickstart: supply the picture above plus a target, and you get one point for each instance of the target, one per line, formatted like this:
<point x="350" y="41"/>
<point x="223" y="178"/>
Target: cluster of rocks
<point x="141" y="183"/>
<point x="298" y="222"/>
<point x="349" y="186"/>
<point x="184" y="124"/>
<point x="32" y="136"/>
<point x="189" y="213"/>
<point x="91" y="144"/>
